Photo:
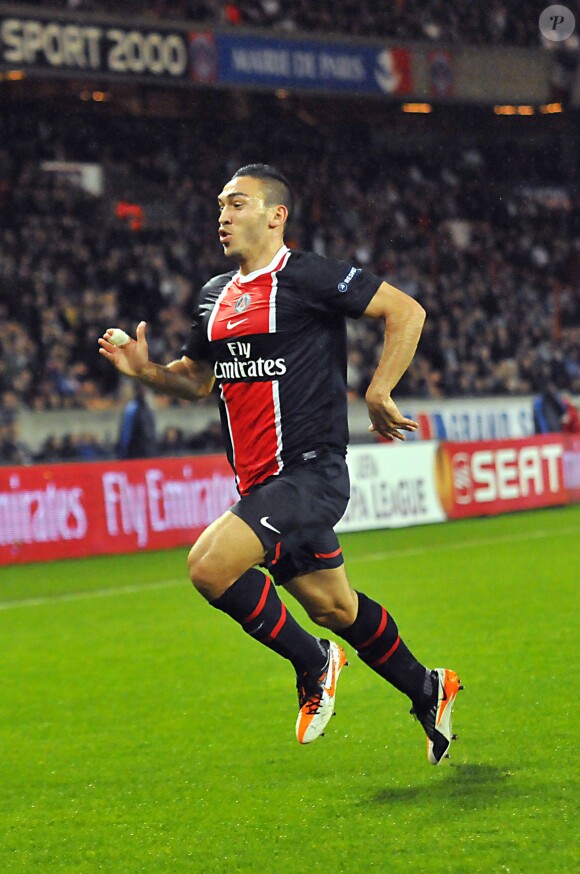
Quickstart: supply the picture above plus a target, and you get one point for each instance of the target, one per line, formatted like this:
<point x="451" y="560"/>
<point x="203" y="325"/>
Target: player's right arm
<point x="184" y="378"/>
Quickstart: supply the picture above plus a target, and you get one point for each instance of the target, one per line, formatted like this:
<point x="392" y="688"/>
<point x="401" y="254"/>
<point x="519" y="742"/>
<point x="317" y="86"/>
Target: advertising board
<point x="391" y="487"/>
<point x="73" y="510"/>
<point x="491" y="477"/>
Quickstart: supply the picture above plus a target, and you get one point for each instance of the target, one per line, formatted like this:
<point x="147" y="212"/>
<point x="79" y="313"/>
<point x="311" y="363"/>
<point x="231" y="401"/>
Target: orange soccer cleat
<point x="316" y="695"/>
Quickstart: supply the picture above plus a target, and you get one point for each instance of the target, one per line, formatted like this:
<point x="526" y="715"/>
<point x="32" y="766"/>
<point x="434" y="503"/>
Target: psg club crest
<point x="242" y="303"/>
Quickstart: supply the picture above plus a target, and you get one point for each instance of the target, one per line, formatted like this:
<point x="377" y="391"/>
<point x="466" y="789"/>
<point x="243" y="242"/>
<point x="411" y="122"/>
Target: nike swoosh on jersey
<point x="266" y="524"/>
<point x="230" y="324"/>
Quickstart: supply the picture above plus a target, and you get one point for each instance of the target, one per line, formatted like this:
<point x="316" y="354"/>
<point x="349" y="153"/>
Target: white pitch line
<point x="94" y="593"/>
<point x="468" y="544"/>
<point x="372" y="557"/>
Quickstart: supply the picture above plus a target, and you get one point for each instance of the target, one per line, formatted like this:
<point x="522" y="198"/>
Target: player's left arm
<point x="404" y="319"/>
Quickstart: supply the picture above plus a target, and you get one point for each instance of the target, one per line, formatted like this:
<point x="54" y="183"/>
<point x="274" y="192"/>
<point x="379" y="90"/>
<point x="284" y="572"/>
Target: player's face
<point x="244" y="217"/>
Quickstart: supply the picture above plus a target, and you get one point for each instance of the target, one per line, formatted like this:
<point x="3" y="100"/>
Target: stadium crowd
<point x="495" y="263"/>
<point x="499" y="22"/>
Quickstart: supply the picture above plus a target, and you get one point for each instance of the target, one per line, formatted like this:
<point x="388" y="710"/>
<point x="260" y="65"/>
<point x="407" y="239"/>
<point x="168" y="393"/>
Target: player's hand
<point x="385" y="417"/>
<point x="131" y="358"/>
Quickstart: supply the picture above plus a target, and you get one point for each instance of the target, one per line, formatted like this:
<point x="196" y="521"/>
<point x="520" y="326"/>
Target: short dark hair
<point x="277" y="189"/>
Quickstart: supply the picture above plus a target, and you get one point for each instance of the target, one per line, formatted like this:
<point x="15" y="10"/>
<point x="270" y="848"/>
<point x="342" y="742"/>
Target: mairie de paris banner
<point x="300" y="65"/>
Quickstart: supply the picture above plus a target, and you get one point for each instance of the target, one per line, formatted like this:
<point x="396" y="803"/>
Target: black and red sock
<point x="253" y="602"/>
<point x="375" y="636"/>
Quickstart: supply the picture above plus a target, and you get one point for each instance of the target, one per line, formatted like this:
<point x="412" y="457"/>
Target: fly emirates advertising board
<point x="72" y="510"/>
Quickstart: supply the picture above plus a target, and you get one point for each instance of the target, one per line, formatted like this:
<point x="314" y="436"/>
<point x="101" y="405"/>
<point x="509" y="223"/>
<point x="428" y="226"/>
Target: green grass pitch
<point x="142" y="731"/>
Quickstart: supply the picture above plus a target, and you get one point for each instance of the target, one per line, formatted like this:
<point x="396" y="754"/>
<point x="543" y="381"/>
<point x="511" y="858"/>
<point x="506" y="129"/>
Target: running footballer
<point x="271" y="336"/>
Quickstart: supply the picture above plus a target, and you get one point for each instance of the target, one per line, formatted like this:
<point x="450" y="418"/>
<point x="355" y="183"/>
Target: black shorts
<point x="294" y="515"/>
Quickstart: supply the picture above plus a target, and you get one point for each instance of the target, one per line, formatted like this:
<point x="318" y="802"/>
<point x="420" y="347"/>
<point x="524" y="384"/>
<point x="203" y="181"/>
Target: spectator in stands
<point x="549" y="412"/>
<point x="88" y="447"/>
<point x="208" y="440"/>
<point x="173" y="442"/>
<point x="50" y="452"/>
<point x="137" y="437"/>
<point x="507" y="22"/>
<point x="571" y="419"/>
<point x="13" y="450"/>
<point x="467" y="255"/>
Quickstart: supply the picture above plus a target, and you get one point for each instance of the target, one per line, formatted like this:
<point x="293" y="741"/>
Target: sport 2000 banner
<point x="73" y="510"/>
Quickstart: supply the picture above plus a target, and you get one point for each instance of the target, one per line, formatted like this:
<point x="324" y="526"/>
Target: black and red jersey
<point x="277" y="341"/>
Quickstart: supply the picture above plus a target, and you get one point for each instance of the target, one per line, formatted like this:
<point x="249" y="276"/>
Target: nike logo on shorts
<point x="266" y="524"/>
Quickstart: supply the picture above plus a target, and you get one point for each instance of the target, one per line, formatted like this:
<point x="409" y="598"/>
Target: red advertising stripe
<point x="402" y="74"/>
<point x="491" y="477"/>
<point x="73" y="510"/>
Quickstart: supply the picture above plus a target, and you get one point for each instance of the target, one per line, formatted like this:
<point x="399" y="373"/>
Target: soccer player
<point x="272" y="334"/>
